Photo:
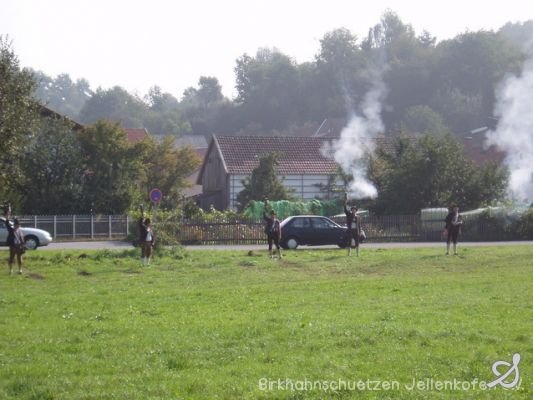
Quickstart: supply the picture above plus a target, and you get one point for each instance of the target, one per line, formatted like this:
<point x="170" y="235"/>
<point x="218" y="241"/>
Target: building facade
<point x="303" y="169"/>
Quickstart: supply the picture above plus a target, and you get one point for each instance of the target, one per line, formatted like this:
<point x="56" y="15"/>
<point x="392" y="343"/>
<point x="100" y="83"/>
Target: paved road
<point x="118" y="245"/>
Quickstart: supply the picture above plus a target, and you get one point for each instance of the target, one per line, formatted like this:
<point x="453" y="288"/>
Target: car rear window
<point x="300" y="223"/>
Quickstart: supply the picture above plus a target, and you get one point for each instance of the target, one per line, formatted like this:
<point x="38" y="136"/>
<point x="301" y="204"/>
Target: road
<point x="119" y="245"/>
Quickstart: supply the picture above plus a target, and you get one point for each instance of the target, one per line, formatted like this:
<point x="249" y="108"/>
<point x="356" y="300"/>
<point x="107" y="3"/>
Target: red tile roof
<point x="136" y="134"/>
<point x="48" y="112"/>
<point x="298" y="155"/>
<point x="481" y="154"/>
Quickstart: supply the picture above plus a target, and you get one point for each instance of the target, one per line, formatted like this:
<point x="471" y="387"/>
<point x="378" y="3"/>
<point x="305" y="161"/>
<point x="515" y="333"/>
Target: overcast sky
<point x="138" y="44"/>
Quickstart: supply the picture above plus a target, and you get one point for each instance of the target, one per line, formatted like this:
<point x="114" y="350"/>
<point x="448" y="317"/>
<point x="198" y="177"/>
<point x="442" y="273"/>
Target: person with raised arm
<point x="353" y="226"/>
<point x="15" y="240"/>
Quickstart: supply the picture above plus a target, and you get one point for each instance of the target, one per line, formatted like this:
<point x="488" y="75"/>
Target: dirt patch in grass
<point x="33" y="275"/>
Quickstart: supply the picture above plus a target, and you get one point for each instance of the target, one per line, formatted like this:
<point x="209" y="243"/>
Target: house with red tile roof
<point x="476" y="148"/>
<point x="230" y="159"/>
<point x="136" y="135"/>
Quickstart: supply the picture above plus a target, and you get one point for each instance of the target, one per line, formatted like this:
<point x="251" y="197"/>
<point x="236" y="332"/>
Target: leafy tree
<point x="202" y="106"/>
<point x="489" y="185"/>
<point x="61" y="94"/>
<point x="519" y="34"/>
<point x="167" y="168"/>
<point x="432" y="172"/>
<point x="115" y="105"/>
<point x="268" y="89"/>
<point x="111" y="168"/>
<point x="209" y="92"/>
<point x="263" y="183"/>
<point x="18" y="115"/>
<point x="406" y="62"/>
<point x="465" y="75"/>
<point x="339" y="65"/>
<point x="52" y="170"/>
<point x="164" y="116"/>
<point x="422" y="119"/>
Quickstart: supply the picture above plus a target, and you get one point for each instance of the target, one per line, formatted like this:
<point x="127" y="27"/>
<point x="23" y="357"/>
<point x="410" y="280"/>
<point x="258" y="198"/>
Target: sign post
<point x="155" y="196"/>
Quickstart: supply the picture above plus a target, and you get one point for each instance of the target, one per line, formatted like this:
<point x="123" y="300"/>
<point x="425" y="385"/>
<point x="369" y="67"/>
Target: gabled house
<point x="135" y="135"/>
<point x="230" y="159"/>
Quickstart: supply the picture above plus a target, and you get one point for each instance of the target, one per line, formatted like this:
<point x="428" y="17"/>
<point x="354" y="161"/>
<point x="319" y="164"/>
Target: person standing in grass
<point x="273" y="230"/>
<point x="452" y="230"/>
<point x="353" y="225"/>
<point x="15" y="240"/>
<point x="147" y="238"/>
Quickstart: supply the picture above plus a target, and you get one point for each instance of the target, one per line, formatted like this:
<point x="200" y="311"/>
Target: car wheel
<point x="292" y="243"/>
<point x="31" y="242"/>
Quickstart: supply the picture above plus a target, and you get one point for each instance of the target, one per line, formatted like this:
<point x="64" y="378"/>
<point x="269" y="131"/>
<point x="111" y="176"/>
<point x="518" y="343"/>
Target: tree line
<point x="52" y="166"/>
<point x="433" y="87"/>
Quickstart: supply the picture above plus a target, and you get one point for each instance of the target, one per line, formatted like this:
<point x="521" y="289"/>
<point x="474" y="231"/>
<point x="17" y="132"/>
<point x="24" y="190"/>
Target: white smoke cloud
<point x="514" y="133"/>
<point x="357" y="140"/>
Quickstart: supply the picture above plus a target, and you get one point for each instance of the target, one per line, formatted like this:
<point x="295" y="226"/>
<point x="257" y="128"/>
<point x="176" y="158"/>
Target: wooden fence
<point x="388" y="228"/>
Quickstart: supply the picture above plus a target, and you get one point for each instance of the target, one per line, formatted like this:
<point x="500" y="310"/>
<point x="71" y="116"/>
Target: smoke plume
<point x="514" y="133"/>
<point x="357" y="140"/>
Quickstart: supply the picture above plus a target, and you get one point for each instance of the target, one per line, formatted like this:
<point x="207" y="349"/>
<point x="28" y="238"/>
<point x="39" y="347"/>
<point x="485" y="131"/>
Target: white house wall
<point x="304" y="186"/>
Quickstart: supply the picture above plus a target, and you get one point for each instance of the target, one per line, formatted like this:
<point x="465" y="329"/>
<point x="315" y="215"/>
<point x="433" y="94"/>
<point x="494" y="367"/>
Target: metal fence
<point x="388" y="228"/>
<point x="72" y="227"/>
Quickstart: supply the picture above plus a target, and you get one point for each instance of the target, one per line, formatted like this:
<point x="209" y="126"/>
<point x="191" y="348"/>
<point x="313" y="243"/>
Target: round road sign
<point x="156" y="195"/>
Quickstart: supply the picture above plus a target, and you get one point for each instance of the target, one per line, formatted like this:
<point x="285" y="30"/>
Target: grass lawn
<point x="232" y="325"/>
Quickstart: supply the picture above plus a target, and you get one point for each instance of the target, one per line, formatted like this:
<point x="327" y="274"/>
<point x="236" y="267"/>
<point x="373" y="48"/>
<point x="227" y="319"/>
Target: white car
<point x="34" y="237"/>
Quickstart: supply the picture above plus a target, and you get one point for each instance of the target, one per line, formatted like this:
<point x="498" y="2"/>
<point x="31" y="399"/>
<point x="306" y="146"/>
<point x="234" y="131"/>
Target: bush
<point x="285" y="208"/>
<point x="166" y="225"/>
<point x="523" y="228"/>
<point x="512" y="223"/>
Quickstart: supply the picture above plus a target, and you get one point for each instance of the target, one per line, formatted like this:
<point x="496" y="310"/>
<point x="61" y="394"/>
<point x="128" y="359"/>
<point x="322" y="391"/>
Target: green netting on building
<point x="285" y="208"/>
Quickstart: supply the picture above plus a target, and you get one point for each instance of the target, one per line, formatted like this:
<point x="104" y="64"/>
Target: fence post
<point x="127" y="225"/>
<point x="55" y="226"/>
<point x="92" y="226"/>
<point x="35" y="221"/>
<point x="110" y="227"/>
<point x="74" y="227"/>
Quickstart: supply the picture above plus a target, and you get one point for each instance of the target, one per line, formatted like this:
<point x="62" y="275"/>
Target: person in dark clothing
<point x="353" y="224"/>
<point x="146" y="239"/>
<point x="452" y="229"/>
<point x="15" y="240"/>
<point x="273" y="231"/>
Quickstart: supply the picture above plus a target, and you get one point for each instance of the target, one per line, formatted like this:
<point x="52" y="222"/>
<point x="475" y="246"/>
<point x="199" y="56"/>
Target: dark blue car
<point x="311" y="230"/>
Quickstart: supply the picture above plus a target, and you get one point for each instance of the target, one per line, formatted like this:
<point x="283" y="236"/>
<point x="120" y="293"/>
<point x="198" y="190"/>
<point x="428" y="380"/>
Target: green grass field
<point x="232" y="325"/>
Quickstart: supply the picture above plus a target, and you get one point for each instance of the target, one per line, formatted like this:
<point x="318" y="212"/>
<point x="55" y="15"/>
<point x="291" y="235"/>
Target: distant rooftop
<point x="48" y="112"/>
<point x="297" y="154"/>
<point x="195" y="141"/>
<point x="136" y="135"/>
